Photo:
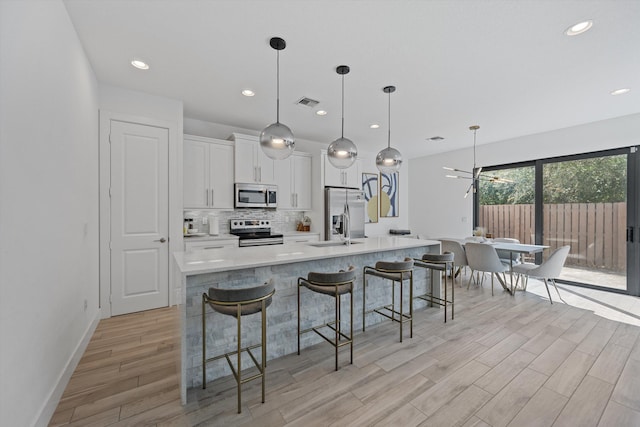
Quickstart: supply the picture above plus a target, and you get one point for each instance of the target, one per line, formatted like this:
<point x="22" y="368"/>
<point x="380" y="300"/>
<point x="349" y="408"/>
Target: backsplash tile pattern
<point x="281" y="221"/>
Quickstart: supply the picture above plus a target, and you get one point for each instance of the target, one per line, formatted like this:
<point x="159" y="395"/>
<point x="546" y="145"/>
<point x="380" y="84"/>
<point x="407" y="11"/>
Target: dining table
<point x="514" y="249"/>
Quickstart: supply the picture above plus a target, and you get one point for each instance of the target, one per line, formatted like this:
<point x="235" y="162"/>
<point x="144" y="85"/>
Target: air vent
<point x="307" y="102"/>
<point x="435" y="138"/>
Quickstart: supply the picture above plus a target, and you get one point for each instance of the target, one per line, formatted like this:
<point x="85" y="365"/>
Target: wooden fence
<point x="595" y="231"/>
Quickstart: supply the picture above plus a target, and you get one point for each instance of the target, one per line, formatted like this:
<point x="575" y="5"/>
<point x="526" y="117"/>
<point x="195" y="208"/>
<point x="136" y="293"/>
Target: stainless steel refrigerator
<point x="337" y="202"/>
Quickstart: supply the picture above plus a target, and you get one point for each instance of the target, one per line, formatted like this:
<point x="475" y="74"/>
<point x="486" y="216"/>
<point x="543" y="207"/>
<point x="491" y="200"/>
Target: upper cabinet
<point x="293" y="176"/>
<point x="208" y="173"/>
<point x="334" y="177"/>
<point x="251" y="164"/>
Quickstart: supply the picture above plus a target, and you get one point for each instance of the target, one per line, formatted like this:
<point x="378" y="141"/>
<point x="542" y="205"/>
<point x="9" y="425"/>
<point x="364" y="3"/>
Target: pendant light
<point x="389" y="159"/>
<point x="276" y="140"/>
<point x="342" y="152"/>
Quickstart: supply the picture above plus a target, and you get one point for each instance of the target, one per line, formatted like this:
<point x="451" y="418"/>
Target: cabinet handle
<point x="161" y="240"/>
<point x="296" y="200"/>
<point x="206" y="195"/>
<point x="259" y="173"/>
<point x="212" y="203"/>
<point x="213" y="247"/>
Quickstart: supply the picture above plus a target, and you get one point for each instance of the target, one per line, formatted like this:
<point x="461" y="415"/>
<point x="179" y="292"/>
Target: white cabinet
<point x="208" y="173"/>
<point x="293" y="176"/>
<point x="210" y="244"/>
<point x="335" y="177"/>
<point x="302" y="238"/>
<point x="251" y="164"/>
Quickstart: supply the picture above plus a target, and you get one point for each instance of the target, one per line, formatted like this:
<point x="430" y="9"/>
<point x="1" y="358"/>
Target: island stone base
<point x="221" y="334"/>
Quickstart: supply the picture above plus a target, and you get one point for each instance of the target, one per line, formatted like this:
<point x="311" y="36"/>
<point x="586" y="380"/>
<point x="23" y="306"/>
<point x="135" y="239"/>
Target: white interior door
<point x="139" y="217"/>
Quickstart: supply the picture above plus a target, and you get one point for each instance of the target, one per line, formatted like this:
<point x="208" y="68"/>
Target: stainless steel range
<point x="254" y="232"/>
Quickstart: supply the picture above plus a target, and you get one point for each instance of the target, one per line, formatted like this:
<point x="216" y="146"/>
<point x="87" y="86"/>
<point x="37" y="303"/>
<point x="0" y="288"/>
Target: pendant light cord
<point x="474" y="150"/>
<point x="277" y="86"/>
<point x="342" y="128"/>
<point x="389" y="121"/>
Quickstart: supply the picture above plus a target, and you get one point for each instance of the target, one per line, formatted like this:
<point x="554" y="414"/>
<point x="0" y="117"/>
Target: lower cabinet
<point x="210" y="244"/>
<point x="301" y="238"/>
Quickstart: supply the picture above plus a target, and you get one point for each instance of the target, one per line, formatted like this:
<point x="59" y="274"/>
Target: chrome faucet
<point x="346" y="225"/>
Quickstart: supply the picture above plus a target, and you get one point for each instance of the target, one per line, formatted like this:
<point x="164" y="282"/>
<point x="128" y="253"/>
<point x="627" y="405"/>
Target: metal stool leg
<point x="264" y="345"/>
<point x="239" y="376"/>
<point x="204" y="345"/>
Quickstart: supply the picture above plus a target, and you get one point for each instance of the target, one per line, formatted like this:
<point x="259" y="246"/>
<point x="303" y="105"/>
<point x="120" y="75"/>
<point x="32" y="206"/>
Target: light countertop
<point x="215" y="260"/>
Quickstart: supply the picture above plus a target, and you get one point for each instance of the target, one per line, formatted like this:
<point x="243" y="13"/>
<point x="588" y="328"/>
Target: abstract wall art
<point x="389" y="193"/>
<point x="370" y="188"/>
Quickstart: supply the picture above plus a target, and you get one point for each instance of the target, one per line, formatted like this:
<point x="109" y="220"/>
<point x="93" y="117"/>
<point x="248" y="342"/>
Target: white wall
<point x="48" y="206"/>
<point x="215" y="130"/>
<point x="437" y="206"/>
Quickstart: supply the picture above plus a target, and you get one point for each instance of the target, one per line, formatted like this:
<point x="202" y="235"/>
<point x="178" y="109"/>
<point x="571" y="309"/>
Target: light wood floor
<point x="504" y="360"/>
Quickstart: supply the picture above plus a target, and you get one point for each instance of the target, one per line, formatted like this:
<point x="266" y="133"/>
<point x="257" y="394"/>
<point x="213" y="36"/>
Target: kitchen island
<point x="197" y="271"/>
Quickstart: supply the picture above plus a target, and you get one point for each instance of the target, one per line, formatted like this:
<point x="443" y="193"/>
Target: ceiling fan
<point x="475" y="176"/>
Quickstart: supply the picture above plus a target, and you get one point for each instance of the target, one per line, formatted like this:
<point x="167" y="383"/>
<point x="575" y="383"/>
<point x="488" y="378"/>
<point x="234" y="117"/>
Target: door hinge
<point x="110" y="298"/>
<point x="109" y="191"/>
<point x="109" y="245"/>
<point x="109" y="138"/>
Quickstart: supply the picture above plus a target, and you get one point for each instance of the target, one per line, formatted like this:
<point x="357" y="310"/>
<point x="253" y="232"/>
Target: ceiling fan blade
<point x="457" y="177"/>
<point x="477" y="174"/>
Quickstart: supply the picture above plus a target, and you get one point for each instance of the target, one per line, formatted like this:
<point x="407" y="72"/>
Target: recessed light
<point x="620" y="91"/>
<point x="141" y="65"/>
<point x="321" y="113"/>
<point x="248" y="92"/>
<point x="579" y="28"/>
<point x="374" y="126"/>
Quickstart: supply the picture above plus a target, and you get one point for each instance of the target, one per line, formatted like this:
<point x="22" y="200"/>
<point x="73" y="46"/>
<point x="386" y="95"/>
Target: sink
<point x="331" y="243"/>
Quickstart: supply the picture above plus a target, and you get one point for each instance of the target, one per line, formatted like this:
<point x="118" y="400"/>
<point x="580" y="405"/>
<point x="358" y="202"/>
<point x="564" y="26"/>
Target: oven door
<point x="251" y="196"/>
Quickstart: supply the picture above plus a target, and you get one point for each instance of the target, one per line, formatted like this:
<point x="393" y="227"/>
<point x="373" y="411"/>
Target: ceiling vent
<point x="435" y="138"/>
<point x="307" y="102"/>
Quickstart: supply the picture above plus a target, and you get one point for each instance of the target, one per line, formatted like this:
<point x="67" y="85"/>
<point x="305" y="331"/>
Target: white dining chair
<point x="483" y="257"/>
<point x="548" y="271"/>
<point x="459" y="256"/>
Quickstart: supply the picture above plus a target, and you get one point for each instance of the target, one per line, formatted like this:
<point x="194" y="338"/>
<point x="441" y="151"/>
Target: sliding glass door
<point x="589" y="202"/>
<point x="584" y="205"/>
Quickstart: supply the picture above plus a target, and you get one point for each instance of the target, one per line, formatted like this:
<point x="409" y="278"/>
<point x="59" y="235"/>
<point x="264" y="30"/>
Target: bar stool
<point x="438" y="262"/>
<point x="335" y="285"/>
<point x="238" y="303"/>
<point x="396" y="271"/>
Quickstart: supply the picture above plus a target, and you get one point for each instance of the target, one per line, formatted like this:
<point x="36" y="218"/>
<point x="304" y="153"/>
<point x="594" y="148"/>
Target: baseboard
<point x="50" y="405"/>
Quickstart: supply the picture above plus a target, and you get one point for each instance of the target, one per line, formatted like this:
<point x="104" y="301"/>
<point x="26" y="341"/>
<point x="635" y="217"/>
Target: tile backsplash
<point x="281" y="221"/>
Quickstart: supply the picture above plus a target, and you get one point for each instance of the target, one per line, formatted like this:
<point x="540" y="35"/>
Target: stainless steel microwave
<point x="256" y="196"/>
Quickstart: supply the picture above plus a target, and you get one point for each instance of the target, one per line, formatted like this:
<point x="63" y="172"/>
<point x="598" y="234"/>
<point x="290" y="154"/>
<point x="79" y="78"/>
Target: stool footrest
<point x="331" y="326"/>
<point x="403" y="316"/>
<point x="233" y="369"/>
<point x="434" y="300"/>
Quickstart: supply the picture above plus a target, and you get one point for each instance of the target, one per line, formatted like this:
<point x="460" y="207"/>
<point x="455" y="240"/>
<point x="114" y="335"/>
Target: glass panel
<point x="506" y="203"/>
<point x="585" y="206"/>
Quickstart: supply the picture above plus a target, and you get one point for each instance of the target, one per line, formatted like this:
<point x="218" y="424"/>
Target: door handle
<point x="630" y="234"/>
<point x="161" y="240"/>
